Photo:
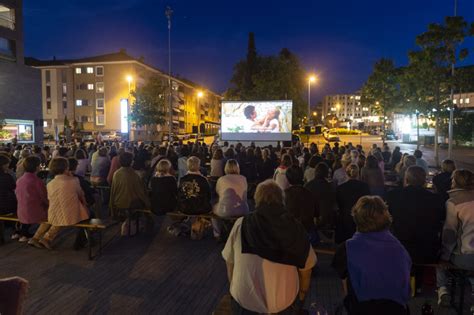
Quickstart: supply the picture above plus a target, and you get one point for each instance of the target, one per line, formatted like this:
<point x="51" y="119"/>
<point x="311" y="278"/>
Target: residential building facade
<point x="20" y="86"/>
<point x="349" y="111"/>
<point x="94" y="94"/>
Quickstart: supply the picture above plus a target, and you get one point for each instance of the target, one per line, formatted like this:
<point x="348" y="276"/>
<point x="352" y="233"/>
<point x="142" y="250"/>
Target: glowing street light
<point x="129" y="79"/>
<point x="200" y="94"/>
<point x="311" y="79"/>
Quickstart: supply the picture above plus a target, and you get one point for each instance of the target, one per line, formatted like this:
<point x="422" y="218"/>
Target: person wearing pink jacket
<point x="32" y="198"/>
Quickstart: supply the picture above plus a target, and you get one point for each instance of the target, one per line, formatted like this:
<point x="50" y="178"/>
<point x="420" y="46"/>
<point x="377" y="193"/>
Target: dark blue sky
<point x="339" y="40"/>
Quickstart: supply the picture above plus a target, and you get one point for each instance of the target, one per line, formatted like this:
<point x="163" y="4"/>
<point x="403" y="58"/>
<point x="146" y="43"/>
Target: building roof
<point x="112" y="57"/>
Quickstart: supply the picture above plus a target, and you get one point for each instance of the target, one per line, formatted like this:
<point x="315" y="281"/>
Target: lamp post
<point x="451" y="108"/>
<point x="199" y="95"/>
<point x="129" y="79"/>
<point x="315" y="114"/>
<point x="169" y="13"/>
<point x="417" y="129"/>
<point x="311" y="79"/>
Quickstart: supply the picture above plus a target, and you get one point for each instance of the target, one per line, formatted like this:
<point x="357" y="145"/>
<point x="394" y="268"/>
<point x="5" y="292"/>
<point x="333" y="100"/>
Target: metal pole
<point x="168" y="14"/>
<point x="417" y="130"/>
<point x="451" y="108"/>
<point x="309" y="100"/>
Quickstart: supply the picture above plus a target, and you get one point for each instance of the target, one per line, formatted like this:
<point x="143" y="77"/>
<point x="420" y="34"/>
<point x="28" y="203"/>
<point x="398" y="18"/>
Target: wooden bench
<point x="89" y="226"/>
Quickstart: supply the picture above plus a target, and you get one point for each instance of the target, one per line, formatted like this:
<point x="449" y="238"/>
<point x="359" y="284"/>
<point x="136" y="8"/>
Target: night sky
<point x="339" y="40"/>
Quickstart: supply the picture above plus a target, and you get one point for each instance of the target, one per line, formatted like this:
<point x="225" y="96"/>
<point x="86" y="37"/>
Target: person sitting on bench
<point x="458" y="231"/>
<point x="373" y="265"/>
<point x="67" y="205"/>
<point x="194" y="192"/>
<point x="32" y="197"/>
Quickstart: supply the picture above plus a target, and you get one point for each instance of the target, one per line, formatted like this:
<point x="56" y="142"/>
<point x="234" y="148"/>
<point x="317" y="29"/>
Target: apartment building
<point x="94" y="94"/>
<point x="464" y="100"/>
<point x="345" y="107"/>
<point x="20" y="86"/>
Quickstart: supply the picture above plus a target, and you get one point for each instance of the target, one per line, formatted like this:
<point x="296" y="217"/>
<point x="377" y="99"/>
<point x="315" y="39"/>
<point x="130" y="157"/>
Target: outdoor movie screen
<point x="256" y="121"/>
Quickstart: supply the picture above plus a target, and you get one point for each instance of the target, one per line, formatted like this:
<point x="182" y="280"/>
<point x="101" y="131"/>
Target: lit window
<point x="64" y="89"/>
<point x="99" y="71"/>
<point x="461" y="101"/>
<point x="100" y="120"/>
<point x="99" y="87"/>
<point x="455" y="101"/>
<point x="90" y="70"/>
<point x="467" y="101"/>
<point x="78" y="70"/>
<point x="78" y="102"/>
<point x="45" y="124"/>
<point x="7" y="17"/>
<point x="357" y="97"/>
<point x="90" y="86"/>
<point x="100" y="103"/>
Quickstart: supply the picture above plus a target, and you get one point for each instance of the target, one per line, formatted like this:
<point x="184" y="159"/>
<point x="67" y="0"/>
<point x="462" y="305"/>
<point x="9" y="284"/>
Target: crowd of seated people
<point x="321" y="189"/>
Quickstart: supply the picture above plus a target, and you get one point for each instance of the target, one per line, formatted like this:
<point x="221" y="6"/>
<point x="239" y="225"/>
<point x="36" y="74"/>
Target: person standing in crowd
<point x="231" y="190"/>
<point x="100" y="167"/>
<point x="128" y="190"/>
<point x="83" y="166"/>
<point x="32" y="198"/>
<point x="420" y="161"/>
<point x="67" y="206"/>
<point x="442" y="181"/>
<point x="194" y="192"/>
<point x="373" y="176"/>
<point x="19" y="168"/>
<point x="8" y="202"/>
<point x="347" y="195"/>
<point x="339" y="176"/>
<point x="324" y="197"/>
<point x="458" y="232"/>
<point x="373" y="265"/>
<point x="395" y="158"/>
<point x="302" y="211"/>
<point x="265" y="167"/>
<point x="182" y="162"/>
<point x="164" y="188"/>
<point x="309" y="171"/>
<point x="418" y="217"/>
<point x="268" y="257"/>
<point x="217" y="164"/>
<point x="280" y="173"/>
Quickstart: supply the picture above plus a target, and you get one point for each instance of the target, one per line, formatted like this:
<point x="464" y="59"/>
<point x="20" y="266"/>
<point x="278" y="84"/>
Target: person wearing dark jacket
<point x="164" y="188"/>
<point x="347" y="195"/>
<point x="324" y="196"/>
<point x="418" y="217"/>
<point x="294" y="197"/>
<point x="8" y="203"/>
<point x="442" y="181"/>
<point x="194" y="192"/>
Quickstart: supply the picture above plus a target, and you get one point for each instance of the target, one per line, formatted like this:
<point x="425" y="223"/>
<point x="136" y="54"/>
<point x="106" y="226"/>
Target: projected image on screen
<point x="256" y="121"/>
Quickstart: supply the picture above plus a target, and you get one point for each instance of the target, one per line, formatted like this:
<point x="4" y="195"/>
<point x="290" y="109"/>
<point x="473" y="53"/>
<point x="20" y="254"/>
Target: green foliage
<point x="381" y="91"/>
<point x="149" y="106"/>
<point x="279" y="77"/>
<point x="66" y="122"/>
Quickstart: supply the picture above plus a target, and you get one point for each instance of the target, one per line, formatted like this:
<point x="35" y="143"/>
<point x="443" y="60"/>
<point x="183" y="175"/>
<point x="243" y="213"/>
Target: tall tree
<point x="149" y="106"/>
<point x="381" y="91"/>
<point x="431" y="64"/>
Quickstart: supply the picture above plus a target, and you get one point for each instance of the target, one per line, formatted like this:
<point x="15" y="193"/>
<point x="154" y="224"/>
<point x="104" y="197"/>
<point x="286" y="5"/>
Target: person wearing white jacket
<point x="458" y="231"/>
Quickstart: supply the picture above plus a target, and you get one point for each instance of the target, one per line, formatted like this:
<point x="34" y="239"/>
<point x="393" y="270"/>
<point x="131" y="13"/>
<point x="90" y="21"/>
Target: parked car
<point x="389" y="135"/>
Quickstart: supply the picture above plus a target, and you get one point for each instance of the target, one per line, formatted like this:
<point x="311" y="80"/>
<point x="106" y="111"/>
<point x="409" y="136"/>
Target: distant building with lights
<point x="93" y="92"/>
<point x="348" y="109"/>
<point x="20" y="85"/>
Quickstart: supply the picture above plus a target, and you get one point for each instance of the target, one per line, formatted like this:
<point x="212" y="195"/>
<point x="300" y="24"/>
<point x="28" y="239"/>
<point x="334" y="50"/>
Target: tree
<point x="2" y="121"/>
<point x="431" y="65"/>
<point x="149" y="106"/>
<point x="269" y="78"/>
<point x="381" y="91"/>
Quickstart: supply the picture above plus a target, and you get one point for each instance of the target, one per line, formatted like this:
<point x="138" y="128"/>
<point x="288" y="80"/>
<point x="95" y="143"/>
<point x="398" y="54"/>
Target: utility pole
<point x="169" y="13"/>
<point x="451" y="108"/>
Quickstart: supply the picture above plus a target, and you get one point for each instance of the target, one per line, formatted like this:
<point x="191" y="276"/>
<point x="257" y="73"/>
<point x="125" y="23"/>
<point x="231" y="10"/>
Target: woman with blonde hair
<point x="164" y="188"/>
<point x="373" y="265"/>
<point x="231" y="190"/>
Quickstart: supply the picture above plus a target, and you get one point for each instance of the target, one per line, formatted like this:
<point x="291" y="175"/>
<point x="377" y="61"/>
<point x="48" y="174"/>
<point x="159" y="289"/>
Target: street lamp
<point x="311" y="79"/>
<point x="199" y="95"/>
<point x="129" y="79"/>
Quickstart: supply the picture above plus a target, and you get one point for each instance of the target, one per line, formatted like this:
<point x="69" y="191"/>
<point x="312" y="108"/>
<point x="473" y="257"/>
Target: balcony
<point x="7" y="17"/>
